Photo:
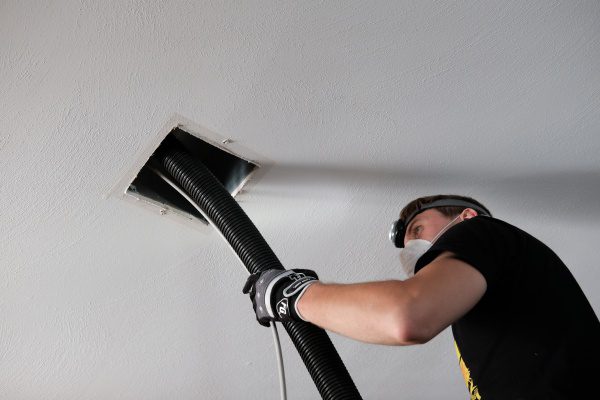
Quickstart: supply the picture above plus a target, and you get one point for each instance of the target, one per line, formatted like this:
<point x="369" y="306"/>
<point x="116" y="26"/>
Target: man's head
<point x="425" y="217"/>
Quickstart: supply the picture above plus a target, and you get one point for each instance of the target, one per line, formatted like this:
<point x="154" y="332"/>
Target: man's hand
<point x="275" y="293"/>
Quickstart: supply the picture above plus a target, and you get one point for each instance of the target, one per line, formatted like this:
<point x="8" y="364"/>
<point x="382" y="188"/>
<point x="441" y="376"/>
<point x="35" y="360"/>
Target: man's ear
<point x="468" y="213"/>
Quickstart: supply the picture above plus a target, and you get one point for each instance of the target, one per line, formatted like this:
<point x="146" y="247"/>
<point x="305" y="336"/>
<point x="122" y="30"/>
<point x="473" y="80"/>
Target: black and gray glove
<point x="274" y="293"/>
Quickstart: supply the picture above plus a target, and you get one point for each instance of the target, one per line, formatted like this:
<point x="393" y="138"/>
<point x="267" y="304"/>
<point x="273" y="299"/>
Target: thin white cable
<point x="193" y="203"/>
<point x="278" y="353"/>
<point x="282" y="388"/>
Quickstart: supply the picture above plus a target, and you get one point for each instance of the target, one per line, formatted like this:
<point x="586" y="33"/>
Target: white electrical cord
<point x="278" y="353"/>
<point x="282" y="388"/>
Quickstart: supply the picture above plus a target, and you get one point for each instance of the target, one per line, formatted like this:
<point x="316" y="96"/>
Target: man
<point x="523" y="328"/>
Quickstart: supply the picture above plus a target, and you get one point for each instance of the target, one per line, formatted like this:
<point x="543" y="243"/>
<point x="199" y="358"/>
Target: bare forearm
<point x="374" y="312"/>
<point x="397" y="312"/>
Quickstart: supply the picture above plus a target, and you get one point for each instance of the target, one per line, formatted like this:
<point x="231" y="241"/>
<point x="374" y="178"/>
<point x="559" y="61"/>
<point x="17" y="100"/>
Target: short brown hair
<point x="452" y="211"/>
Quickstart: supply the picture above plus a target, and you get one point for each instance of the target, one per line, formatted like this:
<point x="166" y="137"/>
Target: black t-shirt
<point x="533" y="334"/>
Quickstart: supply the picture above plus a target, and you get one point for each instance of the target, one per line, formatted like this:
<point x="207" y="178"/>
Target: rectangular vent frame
<point x="232" y="164"/>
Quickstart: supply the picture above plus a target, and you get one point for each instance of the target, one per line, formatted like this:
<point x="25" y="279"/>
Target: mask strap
<point x="444" y="229"/>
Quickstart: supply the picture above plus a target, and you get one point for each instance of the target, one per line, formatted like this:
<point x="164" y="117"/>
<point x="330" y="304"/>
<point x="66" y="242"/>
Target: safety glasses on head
<point x="398" y="230"/>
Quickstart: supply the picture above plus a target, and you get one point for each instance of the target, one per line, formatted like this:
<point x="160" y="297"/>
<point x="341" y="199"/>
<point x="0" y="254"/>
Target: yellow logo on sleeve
<point x="473" y="390"/>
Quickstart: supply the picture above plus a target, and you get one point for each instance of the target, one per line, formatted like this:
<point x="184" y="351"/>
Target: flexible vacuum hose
<point x="316" y="350"/>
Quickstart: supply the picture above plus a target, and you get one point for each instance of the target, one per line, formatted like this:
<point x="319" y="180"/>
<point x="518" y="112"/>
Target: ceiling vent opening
<point x="232" y="171"/>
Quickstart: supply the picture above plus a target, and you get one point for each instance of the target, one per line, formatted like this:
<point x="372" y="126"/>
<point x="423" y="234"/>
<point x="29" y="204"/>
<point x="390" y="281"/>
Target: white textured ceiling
<point x="358" y="106"/>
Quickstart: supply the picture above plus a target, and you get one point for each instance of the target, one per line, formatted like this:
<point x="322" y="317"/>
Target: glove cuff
<point x="296" y="311"/>
<point x="271" y="286"/>
<point x="285" y="291"/>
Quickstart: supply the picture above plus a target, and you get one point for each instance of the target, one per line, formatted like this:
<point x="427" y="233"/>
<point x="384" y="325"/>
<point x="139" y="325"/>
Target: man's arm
<point x="397" y="312"/>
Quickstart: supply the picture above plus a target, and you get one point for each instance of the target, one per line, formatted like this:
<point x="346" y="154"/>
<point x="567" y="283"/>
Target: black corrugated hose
<point x="316" y="350"/>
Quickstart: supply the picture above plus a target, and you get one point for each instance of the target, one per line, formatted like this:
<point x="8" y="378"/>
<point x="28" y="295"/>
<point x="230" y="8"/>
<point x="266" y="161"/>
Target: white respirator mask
<point x="415" y="248"/>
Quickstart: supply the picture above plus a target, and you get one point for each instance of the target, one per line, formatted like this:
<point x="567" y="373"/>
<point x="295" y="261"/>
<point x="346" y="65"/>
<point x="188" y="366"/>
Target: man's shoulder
<point x="483" y="224"/>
